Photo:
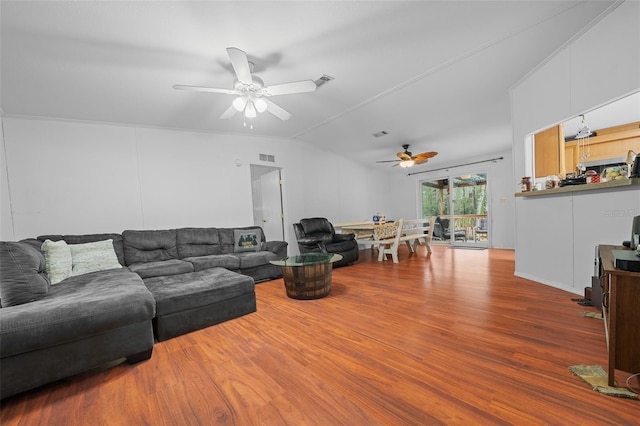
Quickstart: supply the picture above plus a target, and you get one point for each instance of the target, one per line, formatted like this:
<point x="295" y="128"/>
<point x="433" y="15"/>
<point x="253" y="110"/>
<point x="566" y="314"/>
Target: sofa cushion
<point x="149" y="246"/>
<point x="118" y="246"/>
<point x="253" y="259"/>
<point x="58" y="262"/>
<point x="93" y="257"/>
<point x="184" y="292"/>
<point x="197" y="242"/>
<point x="162" y="268"/>
<point x="23" y="278"/>
<point x="227" y="240"/>
<point x="80" y="306"/>
<point x="228" y="261"/>
<point x="247" y="240"/>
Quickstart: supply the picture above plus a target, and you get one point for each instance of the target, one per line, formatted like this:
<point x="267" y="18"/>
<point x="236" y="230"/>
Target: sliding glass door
<point x="460" y="203"/>
<point x="469" y="216"/>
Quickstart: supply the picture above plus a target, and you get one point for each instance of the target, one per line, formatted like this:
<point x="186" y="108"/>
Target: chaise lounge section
<point x="76" y="325"/>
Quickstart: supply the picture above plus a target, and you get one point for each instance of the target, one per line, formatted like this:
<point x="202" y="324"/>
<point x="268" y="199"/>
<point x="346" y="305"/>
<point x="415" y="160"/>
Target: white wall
<point x="74" y="177"/>
<point x="556" y="235"/>
<point x="406" y="195"/>
<point x="6" y="223"/>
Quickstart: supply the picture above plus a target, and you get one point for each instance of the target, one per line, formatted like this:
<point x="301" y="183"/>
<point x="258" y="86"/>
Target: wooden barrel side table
<point x="308" y="276"/>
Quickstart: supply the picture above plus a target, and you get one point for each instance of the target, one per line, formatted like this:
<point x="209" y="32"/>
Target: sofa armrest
<point x="309" y="241"/>
<point x="277" y="247"/>
<point x="343" y="237"/>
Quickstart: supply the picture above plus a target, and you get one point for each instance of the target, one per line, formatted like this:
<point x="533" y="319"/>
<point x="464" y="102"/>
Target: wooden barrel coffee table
<point x="308" y="275"/>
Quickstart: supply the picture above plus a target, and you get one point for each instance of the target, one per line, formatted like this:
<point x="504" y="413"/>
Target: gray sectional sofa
<point x="160" y="284"/>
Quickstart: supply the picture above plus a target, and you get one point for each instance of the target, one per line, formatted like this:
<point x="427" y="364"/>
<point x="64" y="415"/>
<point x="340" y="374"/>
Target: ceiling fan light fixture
<point x="250" y="110"/>
<point x="239" y="103"/>
<point x="406" y="163"/>
<point x="260" y="104"/>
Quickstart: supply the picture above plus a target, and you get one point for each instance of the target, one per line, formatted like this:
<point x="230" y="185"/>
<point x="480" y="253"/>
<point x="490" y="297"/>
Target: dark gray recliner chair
<point x="317" y="235"/>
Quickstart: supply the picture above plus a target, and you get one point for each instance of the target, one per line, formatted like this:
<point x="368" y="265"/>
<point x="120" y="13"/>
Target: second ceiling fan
<point x="407" y="159"/>
<point x="252" y="94"/>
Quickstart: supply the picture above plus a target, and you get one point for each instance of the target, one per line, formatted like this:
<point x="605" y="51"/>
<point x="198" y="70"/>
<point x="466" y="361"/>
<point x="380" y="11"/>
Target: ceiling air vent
<point x="322" y="80"/>
<point x="267" y="157"/>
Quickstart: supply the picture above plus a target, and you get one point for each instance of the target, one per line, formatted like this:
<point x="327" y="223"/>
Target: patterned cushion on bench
<point x="387" y="230"/>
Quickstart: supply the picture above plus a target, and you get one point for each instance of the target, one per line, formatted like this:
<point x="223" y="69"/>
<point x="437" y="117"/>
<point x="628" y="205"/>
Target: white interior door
<point x="267" y="201"/>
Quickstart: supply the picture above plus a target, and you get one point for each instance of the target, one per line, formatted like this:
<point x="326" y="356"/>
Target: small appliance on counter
<point x="635" y="167"/>
<point x="577" y="180"/>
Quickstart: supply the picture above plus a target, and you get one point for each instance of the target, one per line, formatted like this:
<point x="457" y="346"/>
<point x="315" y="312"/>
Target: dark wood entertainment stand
<point x="621" y="313"/>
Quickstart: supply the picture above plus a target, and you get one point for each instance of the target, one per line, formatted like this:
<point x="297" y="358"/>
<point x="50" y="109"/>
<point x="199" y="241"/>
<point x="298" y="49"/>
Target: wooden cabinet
<point x="549" y="152"/>
<point x="612" y="142"/>
<point x="621" y="312"/>
<point x="554" y="156"/>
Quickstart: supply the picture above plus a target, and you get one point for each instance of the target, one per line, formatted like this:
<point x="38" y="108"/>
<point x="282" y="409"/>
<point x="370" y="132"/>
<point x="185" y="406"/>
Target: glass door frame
<point x="450" y="176"/>
<point x="471" y="238"/>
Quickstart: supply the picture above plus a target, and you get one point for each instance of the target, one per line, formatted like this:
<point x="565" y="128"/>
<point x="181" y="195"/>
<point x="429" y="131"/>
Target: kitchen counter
<point x="614" y="184"/>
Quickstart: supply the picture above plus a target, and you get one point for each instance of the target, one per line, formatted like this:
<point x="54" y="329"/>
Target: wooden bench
<point x="389" y="236"/>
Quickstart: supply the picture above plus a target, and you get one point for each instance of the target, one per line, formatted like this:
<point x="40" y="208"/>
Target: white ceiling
<point x="434" y="74"/>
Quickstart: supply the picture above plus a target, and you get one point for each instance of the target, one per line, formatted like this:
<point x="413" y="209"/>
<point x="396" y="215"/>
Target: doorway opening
<point x="460" y="203"/>
<point x="266" y="194"/>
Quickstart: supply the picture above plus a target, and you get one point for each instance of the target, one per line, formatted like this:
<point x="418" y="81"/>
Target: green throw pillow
<point x="247" y="240"/>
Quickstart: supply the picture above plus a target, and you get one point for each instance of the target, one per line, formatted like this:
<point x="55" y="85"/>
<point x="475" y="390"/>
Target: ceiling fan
<point x="406" y="159"/>
<point x="252" y="94"/>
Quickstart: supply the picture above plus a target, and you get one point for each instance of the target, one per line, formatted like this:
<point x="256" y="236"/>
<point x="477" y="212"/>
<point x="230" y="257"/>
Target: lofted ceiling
<point x="433" y="74"/>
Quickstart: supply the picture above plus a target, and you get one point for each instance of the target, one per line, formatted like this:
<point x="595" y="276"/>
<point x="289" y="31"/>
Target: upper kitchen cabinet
<point x="549" y="152"/>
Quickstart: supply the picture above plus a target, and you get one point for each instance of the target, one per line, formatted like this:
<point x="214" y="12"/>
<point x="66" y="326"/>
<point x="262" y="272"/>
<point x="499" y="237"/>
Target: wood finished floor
<point x="450" y="339"/>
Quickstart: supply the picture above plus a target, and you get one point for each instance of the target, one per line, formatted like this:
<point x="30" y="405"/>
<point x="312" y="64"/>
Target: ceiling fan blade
<point x="420" y="161"/>
<point x="240" y="64"/>
<point x="388" y="161"/>
<point x="277" y="110"/>
<point x="205" y="89"/>
<point x="425" y="155"/>
<point x="287" y="88"/>
<point x="230" y="112"/>
<point x="404" y="156"/>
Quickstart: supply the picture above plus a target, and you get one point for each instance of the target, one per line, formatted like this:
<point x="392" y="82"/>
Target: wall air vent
<point x="322" y="80"/>
<point x="268" y="157"/>
<point x="380" y="133"/>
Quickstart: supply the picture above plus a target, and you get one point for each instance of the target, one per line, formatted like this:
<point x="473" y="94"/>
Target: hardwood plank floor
<point x="452" y="338"/>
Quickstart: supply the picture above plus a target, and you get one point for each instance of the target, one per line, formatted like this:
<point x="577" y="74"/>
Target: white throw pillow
<point x="57" y="257"/>
<point x="92" y="257"/>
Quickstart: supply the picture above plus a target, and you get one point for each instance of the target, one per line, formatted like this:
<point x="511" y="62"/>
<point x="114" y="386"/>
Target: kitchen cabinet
<point x="554" y="156"/>
<point x="610" y="143"/>
<point x="549" y="152"/>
